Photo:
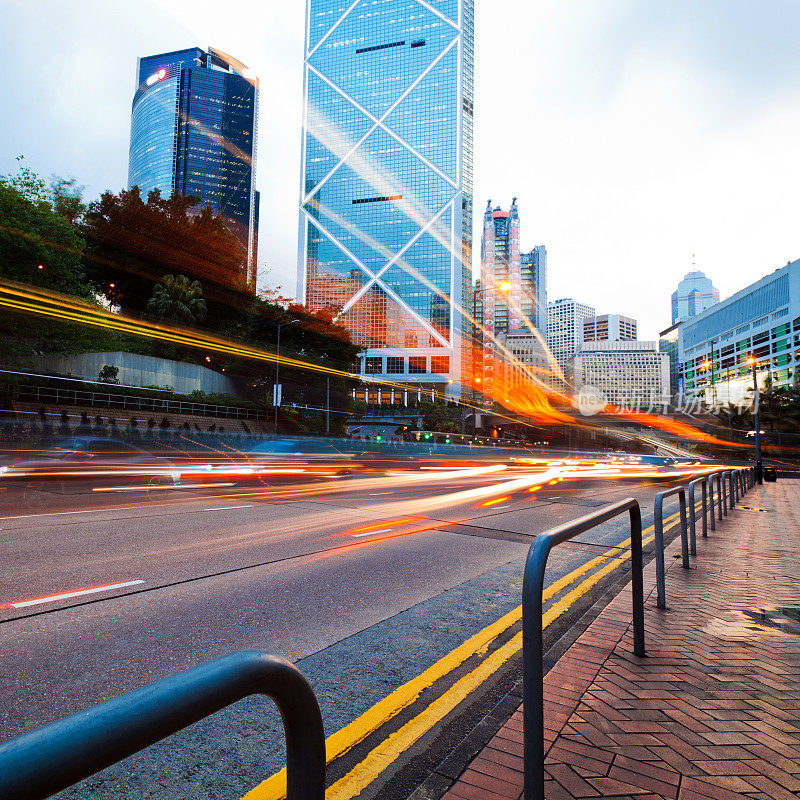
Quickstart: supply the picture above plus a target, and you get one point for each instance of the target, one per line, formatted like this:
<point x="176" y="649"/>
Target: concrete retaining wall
<point x="136" y="370"/>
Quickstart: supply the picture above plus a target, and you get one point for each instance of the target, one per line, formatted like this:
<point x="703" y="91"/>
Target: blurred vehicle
<point x="86" y="463"/>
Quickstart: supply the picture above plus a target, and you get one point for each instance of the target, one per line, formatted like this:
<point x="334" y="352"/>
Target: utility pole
<point x="759" y="465"/>
<point x="277" y="398"/>
<point x="327" y="405"/>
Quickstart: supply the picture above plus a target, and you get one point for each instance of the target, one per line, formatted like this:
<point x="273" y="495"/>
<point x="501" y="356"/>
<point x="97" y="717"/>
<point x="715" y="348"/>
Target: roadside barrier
<point x="658" y="519"/>
<point x="702" y="482"/>
<point x="739" y="481"/>
<point x="532" y="587"/>
<point x="41" y="763"/>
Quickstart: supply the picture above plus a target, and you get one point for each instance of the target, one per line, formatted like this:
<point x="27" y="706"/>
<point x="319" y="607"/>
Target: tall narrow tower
<point x="386" y="195"/>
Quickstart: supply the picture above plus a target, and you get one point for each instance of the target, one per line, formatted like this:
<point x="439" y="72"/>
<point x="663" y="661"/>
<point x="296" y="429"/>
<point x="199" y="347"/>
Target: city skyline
<point x="585" y="195"/>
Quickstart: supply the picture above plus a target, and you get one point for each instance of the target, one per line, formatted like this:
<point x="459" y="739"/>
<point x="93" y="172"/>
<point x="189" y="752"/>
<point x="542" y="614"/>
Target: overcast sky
<point x="634" y="132"/>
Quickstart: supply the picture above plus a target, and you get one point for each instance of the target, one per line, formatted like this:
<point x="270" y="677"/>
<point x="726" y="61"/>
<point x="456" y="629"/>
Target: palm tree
<point x="177" y="299"/>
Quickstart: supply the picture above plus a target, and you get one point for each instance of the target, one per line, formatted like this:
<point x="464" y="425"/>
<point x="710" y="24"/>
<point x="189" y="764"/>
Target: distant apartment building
<point x="193" y="132"/>
<point x="565" y="327"/>
<point x="695" y="293"/>
<point x="385" y="212"/>
<point x="527" y="363"/>
<point x="762" y="321"/>
<point x="609" y="328"/>
<point x="628" y="374"/>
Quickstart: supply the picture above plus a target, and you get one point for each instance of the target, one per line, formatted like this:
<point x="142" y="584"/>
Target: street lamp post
<point x="276" y="398"/>
<point x="759" y="465"/>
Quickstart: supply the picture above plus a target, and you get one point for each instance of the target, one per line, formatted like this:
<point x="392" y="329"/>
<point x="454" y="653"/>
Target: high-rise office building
<point x="695" y="293"/>
<point x="565" y="327"/>
<point x="193" y="132"/>
<point x="533" y="273"/>
<point x="609" y="328"/>
<point x="385" y="235"/>
<point x="761" y="321"/>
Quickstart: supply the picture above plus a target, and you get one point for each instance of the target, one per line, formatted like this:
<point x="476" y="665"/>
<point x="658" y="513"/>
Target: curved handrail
<point x="658" y="520"/>
<point x="532" y="651"/>
<point x="38" y="764"/>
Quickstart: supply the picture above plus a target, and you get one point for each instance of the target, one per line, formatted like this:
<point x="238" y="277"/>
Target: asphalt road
<point x="364" y="583"/>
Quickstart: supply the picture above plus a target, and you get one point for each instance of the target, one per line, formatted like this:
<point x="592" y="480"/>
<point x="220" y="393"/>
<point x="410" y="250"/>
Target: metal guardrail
<point x="703" y="482"/>
<point x="532" y="589"/>
<point x="658" y="520"/>
<point x="38" y="764"/>
<point x="153" y="405"/>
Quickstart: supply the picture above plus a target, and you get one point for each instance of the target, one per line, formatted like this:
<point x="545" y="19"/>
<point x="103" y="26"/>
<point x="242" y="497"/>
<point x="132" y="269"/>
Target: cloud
<point x="633" y="132"/>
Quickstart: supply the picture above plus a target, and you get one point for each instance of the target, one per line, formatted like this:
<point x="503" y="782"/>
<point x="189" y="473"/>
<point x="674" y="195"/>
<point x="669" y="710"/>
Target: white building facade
<point x="630" y="375"/>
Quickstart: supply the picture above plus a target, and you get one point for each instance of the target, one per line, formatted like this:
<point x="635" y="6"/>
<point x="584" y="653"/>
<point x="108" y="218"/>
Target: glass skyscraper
<point x="193" y="132"/>
<point x="695" y="293"/>
<point x="386" y="196"/>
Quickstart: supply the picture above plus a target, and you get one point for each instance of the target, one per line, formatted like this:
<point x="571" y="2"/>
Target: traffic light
<point x="379" y="437"/>
<point x="447" y="440"/>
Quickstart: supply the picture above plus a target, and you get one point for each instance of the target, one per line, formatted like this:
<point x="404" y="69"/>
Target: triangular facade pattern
<point x="387" y="144"/>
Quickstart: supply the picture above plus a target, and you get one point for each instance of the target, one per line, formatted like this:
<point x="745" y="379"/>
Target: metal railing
<point x="658" y="520"/>
<point x="703" y="482"/>
<point x="152" y="405"/>
<point x="532" y="589"/>
<point x="38" y="764"/>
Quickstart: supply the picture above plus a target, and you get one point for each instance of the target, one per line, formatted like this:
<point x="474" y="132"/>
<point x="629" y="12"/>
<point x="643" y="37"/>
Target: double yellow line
<point x="387" y="751"/>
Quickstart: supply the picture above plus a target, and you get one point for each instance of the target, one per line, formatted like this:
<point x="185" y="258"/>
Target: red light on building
<point x="162" y="73"/>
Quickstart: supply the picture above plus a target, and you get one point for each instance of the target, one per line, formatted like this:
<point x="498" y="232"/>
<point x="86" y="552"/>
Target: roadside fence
<point x="45" y="761"/>
<point x="737" y="482"/>
<point x="532" y="649"/>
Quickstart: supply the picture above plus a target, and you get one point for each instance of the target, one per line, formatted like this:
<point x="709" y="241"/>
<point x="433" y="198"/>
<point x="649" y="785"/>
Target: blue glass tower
<point x="386" y="196"/>
<point x="193" y="131"/>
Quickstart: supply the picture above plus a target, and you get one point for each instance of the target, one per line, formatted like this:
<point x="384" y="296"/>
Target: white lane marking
<point x="227" y="508"/>
<point x="369" y="533"/>
<point x="64" y="513"/>
<point x="53" y="597"/>
<point x="376" y="494"/>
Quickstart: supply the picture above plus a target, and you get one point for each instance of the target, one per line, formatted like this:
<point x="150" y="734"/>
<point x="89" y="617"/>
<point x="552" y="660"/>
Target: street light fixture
<point x="276" y="398"/>
<point x="759" y="466"/>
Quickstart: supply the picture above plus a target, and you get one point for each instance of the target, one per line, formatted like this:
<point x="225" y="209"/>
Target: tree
<point x="39" y="246"/>
<point x="177" y="299"/>
<point x="132" y="243"/>
<point x="108" y="374"/>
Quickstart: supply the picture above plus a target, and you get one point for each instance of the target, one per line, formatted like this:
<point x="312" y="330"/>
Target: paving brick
<point x="713" y="712"/>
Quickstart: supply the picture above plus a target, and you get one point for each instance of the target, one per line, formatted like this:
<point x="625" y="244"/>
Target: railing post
<point x="532" y="650"/>
<point x="684" y="529"/>
<point x="637" y="579"/>
<point x="658" y="521"/>
<point x="692" y="513"/>
<point x="711" y="503"/>
<point x="724" y="480"/>
<point x="731" y="491"/>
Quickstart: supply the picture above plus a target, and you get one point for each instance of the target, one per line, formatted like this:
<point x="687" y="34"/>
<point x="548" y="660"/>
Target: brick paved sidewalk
<point x="712" y="713"/>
